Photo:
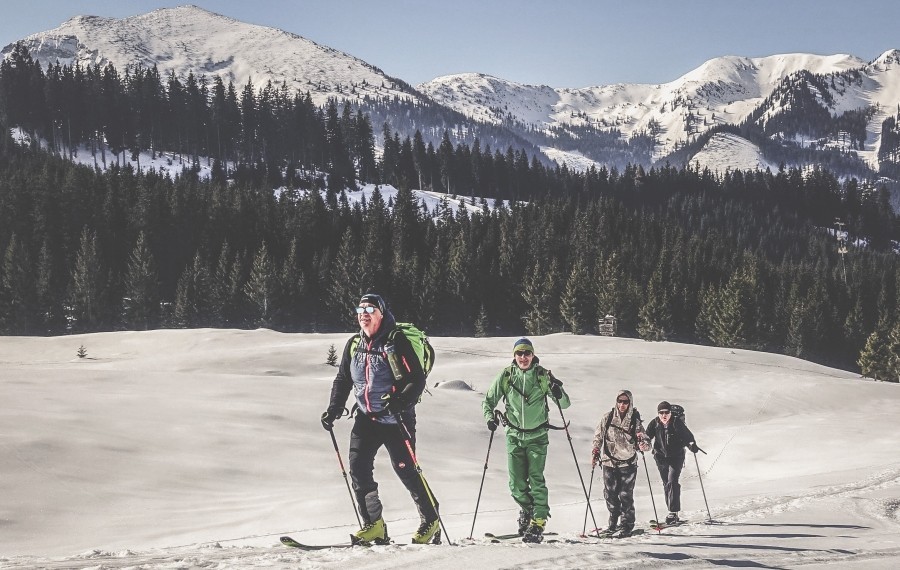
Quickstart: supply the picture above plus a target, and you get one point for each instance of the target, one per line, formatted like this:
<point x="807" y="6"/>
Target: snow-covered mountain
<point x="722" y="90"/>
<point x="190" y="39"/>
<point x="566" y="124"/>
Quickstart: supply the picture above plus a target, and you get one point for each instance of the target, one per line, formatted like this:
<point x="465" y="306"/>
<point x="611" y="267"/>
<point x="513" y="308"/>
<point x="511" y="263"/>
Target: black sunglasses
<point x="623" y="401"/>
<point x="523" y="353"/>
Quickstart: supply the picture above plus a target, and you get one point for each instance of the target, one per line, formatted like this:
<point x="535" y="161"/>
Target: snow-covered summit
<point x="721" y="90"/>
<point x="190" y="39"/>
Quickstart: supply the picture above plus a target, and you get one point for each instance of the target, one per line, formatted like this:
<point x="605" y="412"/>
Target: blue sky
<point x="575" y="43"/>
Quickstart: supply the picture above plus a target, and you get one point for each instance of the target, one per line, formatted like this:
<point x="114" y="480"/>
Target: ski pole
<point x="344" y="473"/>
<point x="590" y="487"/>
<point x="652" y="500"/>
<point x="708" y="514"/>
<point x="575" y="456"/>
<point x="412" y="454"/>
<point x="477" y="502"/>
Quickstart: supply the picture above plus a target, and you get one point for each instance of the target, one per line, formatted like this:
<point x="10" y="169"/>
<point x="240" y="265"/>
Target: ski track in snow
<point x="692" y="545"/>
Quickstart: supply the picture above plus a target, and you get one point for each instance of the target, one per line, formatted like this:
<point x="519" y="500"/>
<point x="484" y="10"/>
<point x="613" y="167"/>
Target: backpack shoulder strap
<point x="353" y="344"/>
<point x="506" y="381"/>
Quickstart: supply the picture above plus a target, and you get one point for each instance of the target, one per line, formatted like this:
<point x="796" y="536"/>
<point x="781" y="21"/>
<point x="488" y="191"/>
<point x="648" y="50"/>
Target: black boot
<point x="524" y="520"/>
<point x="535" y="531"/>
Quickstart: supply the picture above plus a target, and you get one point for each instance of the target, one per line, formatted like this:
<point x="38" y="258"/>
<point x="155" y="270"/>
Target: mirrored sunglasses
<point x="370" y="309"/>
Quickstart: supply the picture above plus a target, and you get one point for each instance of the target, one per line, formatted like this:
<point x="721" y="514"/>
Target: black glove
<point x="328" y="420"/>
<point x="399" y="401"/>
<point x="556" y="388"/>
<point x="492" y="424"/>
<point x="692" y="446"/>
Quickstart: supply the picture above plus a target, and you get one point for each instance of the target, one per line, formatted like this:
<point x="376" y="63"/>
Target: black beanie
<point x="664" y="405"/>
<point x="374" y="299"/>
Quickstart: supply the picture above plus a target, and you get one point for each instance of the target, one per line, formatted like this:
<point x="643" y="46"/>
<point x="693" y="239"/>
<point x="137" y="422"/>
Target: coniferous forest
<point x="740" y="259"/>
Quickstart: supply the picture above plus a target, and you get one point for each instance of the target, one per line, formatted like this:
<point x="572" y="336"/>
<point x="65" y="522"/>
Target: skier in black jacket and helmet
<point x="670" y="436"/>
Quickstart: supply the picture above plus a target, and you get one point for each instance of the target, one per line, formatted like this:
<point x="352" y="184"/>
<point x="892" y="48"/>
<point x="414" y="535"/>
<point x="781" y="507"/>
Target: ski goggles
<point x="370" y="309"/>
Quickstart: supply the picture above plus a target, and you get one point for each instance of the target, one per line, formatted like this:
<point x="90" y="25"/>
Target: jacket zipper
<point x="367" y="371"/>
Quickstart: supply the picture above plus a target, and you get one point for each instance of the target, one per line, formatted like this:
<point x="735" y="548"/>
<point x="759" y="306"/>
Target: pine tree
<point x="191" y="300"/>
<point x="539" y="295"/>
<point x="15" y="289"/>
<point x="894" y="352"/>
<point x="49" y="296"/>
<point x="608" y="286"/>
<point x="733" y="312"/>
<point x="86" y="288"/>
<point x="655" y="317"/>
<point x="875" y="360"/>
<point x="482" y="323"/>
<point x="575" y="305"/>
<point x="332" y="358"/>
<point x="141" y="302"/>
<point x="291" y="289"/>
<point x="261" y="288"/>
<point x="345" y="277"/>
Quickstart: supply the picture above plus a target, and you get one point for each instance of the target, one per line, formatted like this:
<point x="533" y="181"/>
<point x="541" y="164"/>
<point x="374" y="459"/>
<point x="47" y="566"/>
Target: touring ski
<point x="498" y="537"/>
<point x="288" y="541"/>
<point x="597" y="533"/>
<point x="607" y="534"/>
<point x="658" y="526"/>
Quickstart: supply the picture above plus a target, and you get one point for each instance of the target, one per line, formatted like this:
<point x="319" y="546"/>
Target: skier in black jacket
<point x="670" y="436"/>
<point x="365" y="371"/>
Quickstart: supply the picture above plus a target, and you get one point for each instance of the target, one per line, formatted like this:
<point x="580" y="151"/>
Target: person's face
<point x="622" y="403"/>
<point x="524" y="358"/>
<point x="369" y="317"/>
<point x="665" y="416"/>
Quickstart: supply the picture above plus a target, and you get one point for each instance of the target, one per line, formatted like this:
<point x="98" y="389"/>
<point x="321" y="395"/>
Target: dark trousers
<point x="366" y="438"/>
<point x="618" y="490"/>
<point x="670" y="471"/>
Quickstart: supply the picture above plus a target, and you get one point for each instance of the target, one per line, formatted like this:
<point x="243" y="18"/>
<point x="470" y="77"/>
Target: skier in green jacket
<point x="524" y="385"/>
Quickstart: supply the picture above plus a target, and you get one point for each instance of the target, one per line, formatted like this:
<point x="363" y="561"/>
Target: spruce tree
<point x="539" y="294"/>
<point x="875" y="360"/>
<point x="655" y="317"/>
<point x="141" y="301"/>
<point x="86" y="287"/>
<point x="191" y="296"/>
<point x="261" y="288"/>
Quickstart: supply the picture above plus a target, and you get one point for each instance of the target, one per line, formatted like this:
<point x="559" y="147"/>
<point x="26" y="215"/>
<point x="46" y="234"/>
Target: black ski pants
<point x="670" y="471"/>
<point x="366" y="438"/>
<point x="618" y="490"/>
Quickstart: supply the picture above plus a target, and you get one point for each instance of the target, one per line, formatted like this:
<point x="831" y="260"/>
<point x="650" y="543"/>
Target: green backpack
<point x="419" y="341"/>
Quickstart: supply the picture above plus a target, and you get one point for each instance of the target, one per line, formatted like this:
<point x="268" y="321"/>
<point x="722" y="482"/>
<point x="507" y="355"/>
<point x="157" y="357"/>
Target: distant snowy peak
<point x="721" y="90"/>
<point x="491" y="99"/>
<point x="190" y="39"/>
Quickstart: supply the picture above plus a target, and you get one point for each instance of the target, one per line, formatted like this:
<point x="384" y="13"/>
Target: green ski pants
<point x="526" y="460"/>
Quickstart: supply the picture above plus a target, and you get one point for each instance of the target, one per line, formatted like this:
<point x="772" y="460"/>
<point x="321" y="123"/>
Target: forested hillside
<point x="739" y="260"/>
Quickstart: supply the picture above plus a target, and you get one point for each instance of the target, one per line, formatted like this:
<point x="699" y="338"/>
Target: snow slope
<point x="726" y="151"/>
<point x="199" y="448"/>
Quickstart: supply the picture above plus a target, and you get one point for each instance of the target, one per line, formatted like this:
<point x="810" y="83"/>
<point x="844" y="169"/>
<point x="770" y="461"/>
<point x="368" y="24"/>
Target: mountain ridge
<point x="567" y="124"/>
